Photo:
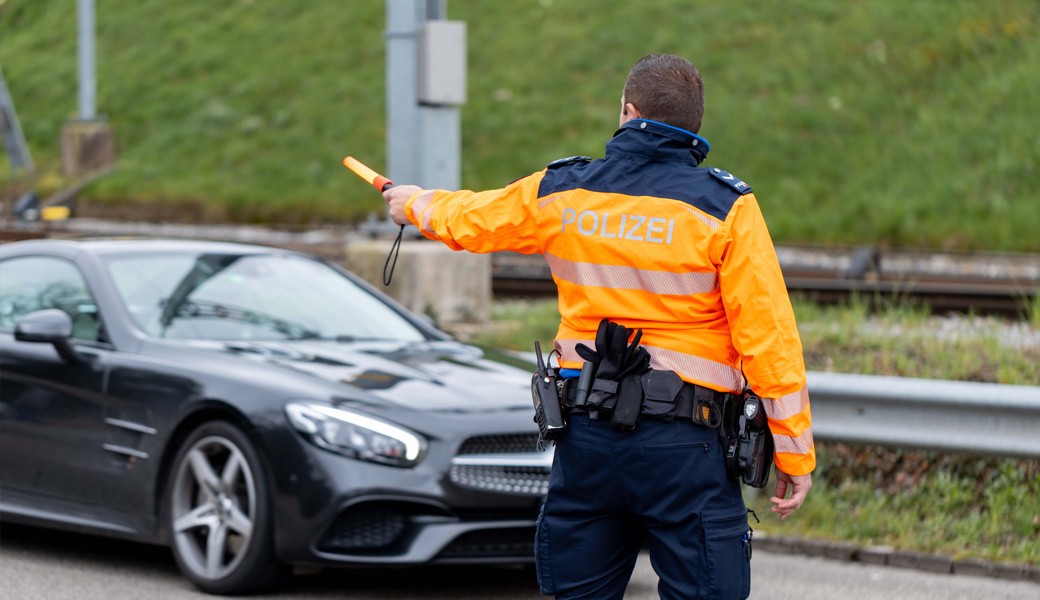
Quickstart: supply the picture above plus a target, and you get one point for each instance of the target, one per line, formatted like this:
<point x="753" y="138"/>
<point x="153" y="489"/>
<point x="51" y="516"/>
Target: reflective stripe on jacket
<point x="647" y="238"/>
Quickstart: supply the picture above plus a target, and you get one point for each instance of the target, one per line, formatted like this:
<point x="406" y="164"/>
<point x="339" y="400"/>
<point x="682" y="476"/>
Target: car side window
<point x="32" y="283"/>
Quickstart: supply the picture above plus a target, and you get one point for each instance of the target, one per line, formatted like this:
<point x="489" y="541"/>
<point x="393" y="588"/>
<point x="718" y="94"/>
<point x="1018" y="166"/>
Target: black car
<point x="253" y="408"/>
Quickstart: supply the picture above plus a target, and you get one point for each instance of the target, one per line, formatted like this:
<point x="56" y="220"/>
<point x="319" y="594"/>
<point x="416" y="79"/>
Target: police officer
<point x="648" y="238"/>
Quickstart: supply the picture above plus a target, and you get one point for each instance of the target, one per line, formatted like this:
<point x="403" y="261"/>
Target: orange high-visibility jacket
<point x="647" y="238"/>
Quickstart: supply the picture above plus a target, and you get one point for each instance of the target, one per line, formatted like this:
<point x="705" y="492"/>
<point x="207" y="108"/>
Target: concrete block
<point x="935" y="563"/>
<point x="812" y="547"/>
<point x="790" y="544"/>
<point x="972" y="567"/>
<point x="430" y="278"/>
<point x="876" y="555"/>
<point x="767" y="543"/>
<point x="841" y="551"/>
<point x="904" y="559"/>
<point x="87" y="146"/>
<point x="1011" y="571"/>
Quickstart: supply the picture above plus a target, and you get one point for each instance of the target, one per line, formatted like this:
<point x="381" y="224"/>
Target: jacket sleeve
<point x="504" y="219"/>
<point x="764" y="331"/>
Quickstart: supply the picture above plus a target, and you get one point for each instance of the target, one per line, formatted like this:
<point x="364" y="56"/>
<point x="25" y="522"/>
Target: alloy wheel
<point x="214" y="504"/>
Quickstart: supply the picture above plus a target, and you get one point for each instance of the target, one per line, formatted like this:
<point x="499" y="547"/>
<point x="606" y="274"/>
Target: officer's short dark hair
<point x="667" y="89"/>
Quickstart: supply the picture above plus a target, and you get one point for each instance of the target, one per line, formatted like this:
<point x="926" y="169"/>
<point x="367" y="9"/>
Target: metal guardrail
<point x="928" y="414"/>
<point x="960" y="416"/>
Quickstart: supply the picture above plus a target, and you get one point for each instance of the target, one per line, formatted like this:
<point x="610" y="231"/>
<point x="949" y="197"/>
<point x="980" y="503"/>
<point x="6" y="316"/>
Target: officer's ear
<point x="628" y="112"/>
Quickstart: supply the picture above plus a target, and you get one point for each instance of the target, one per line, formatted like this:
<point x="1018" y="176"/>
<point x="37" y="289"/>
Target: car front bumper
<point x="464" y="503"/>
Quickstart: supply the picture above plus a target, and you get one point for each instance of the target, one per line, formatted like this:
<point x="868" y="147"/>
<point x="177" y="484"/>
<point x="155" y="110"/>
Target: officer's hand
<point x="396" y="197"/>
<point x="799" y="485"/>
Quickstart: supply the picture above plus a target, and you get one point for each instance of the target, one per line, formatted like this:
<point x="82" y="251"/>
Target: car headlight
<point x="354" y="434"/>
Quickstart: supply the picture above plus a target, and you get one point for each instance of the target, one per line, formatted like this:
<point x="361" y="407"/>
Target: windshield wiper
<point x="203" y="309"/>
<point x="342" y="339"/>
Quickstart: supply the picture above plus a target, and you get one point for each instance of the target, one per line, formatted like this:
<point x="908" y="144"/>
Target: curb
<point x="889" y="556"/>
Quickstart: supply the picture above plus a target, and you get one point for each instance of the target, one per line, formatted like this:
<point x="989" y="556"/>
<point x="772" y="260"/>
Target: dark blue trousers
<point x="611" y="492"/>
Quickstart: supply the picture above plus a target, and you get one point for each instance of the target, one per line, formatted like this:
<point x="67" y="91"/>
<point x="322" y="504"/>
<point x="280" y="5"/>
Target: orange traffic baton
<point x="375" y="179"/>
<point x="382" y="184"/>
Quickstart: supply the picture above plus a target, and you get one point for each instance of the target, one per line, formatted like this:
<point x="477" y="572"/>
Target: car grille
<point x="506" y="443"/>
<point x="365" y="528"/>
<point x="517" y="542"/>
<point x="505" y="463"/>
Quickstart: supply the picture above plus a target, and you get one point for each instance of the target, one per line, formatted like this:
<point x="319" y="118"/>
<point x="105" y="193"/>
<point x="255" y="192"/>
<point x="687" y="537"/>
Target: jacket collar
<point x="655" y="139"/>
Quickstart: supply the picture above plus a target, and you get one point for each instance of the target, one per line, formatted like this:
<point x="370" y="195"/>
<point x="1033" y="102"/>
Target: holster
<point x="746" y="440"/>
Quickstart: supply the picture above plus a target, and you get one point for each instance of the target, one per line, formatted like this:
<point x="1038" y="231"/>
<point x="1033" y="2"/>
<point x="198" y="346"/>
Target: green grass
<point x="925" y="501"/>
<point x="909" y="124"/>
<point x="872" y="122"/>
<point x="1030" y="309"/>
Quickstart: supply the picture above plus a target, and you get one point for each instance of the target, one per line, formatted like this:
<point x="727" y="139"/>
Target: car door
<point x="51" y="410"/>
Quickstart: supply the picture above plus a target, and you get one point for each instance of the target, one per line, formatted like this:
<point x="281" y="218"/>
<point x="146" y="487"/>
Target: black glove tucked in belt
<point x="614" y="359"/>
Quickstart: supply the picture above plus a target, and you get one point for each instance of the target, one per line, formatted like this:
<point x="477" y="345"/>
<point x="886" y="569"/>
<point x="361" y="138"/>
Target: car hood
<point x="442" y="376"/>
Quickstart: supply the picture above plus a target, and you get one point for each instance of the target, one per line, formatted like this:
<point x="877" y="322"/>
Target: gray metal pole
<point x="422" y="141"/>
<point x="403" y="18"/>
<point x="441" y="131"/>
<point x="87" y="80"/>
<point x="11" y="138"/>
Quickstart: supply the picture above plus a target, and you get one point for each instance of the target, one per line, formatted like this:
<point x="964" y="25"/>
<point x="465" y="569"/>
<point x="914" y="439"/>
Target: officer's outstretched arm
<point x="503" y="219"/>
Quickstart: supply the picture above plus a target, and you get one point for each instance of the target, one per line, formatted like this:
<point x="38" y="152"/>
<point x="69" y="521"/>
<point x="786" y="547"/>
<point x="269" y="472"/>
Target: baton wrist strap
<point x="395" y="251"/>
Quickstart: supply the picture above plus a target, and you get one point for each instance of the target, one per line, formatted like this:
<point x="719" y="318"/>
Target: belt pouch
<point x="629" y="404"/>
<point x="707" y="411"/>
<point x="602" y="398"/>
<point x="661" y="389"/>
<point x="563" y="392"/>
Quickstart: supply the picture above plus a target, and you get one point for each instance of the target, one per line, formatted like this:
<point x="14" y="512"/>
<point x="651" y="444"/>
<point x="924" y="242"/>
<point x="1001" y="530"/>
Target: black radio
<point x="747" y="440"/>
<point x="547" y="412"/>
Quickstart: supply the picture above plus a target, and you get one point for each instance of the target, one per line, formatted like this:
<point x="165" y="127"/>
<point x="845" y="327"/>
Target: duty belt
<point x="690" y="395"/>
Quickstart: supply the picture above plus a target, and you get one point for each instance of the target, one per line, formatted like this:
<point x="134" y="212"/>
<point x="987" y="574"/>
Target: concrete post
<point x="449" y="287"/>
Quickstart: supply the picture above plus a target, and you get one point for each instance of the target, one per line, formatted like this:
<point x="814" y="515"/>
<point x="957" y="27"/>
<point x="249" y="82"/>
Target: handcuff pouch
<point x="629" y="405"/>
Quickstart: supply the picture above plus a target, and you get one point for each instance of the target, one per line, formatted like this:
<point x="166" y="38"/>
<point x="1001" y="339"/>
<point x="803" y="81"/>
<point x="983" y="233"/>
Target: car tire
<point x="219" y="513"/>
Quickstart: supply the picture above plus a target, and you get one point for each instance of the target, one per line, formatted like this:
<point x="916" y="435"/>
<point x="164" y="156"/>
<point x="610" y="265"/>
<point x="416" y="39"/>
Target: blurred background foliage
<point x="908" y="124"/>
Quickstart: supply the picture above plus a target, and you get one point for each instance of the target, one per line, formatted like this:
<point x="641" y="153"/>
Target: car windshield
<point x="251" y="297"/>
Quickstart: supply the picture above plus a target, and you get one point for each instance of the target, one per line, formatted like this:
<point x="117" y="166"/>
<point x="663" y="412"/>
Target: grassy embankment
<point x="915" y="500"/>
<point x="872" y="122"/>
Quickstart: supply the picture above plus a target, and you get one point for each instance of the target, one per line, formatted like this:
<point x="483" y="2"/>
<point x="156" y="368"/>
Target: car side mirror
<point x="50" y="326"/>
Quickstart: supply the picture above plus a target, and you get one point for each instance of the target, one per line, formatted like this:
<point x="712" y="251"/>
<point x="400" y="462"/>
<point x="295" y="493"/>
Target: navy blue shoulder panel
<point x="730" y="180"/>
<point x="634" y="175"/>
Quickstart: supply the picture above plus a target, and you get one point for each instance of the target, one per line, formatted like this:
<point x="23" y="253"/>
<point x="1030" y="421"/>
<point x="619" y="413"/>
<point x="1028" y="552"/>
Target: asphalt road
<point x="37" y="563"/>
